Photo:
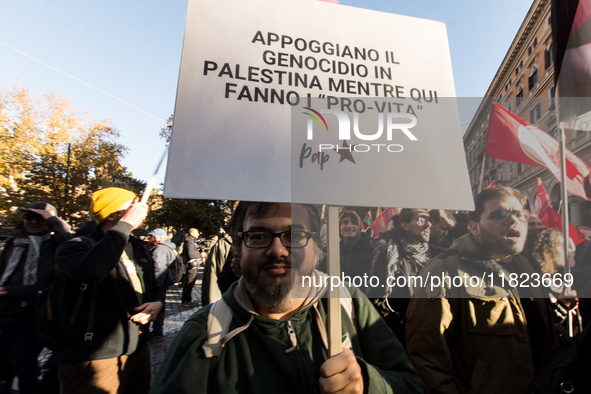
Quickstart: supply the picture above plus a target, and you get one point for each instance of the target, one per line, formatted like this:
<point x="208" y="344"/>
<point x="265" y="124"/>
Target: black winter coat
<point x="96" y="266"/>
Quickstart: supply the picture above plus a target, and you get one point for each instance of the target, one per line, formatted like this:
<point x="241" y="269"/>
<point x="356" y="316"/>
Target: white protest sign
<point x="250" y="69"/>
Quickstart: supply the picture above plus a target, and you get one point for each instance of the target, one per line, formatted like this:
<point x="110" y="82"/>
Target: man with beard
<point x="276" y="341"/>
<point x="471" y="336"/>
<point x="400" y="254"/>
<point x="442" y="222"/>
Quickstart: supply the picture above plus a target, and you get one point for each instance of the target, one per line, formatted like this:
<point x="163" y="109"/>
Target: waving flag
<point x="549" y="217"/>
<point x="514" y="139"/>
<point x="571" y="36"/>
<point x="366" y="221"/>
<point x="380" y="225"/>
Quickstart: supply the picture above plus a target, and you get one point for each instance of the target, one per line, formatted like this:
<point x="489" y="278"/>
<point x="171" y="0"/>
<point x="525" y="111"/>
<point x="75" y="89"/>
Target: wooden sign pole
<point x="334" y="270"/>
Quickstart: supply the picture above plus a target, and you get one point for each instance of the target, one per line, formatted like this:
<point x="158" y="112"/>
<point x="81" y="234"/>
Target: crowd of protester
<point x="106" y="289"/>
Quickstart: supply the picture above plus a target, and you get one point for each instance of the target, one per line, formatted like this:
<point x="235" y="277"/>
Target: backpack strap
<point x="347" y="303"/>
<point x="88" y="335"/>
<point x="74" y="316"/>
<point x="218" y="323"/>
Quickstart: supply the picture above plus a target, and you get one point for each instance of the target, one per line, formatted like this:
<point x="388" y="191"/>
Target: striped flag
<point x="366" y="222"/>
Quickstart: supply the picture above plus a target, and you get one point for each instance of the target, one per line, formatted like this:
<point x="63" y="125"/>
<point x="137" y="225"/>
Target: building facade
<point x="524" y="84"/>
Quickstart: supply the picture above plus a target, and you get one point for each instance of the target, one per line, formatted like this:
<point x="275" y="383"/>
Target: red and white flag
<point x="492" y="184"/>
<point x="380" y="225"/>
<point x="513" y="139"/>
<point x="549" y="217"/>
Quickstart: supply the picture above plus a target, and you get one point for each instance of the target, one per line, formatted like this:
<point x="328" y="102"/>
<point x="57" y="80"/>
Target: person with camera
<point x="25" y="262"/>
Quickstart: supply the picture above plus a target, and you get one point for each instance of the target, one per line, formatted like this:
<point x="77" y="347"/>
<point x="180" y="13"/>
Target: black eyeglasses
<point x="503" y="215"/>
<point x="33" y="216"/>
<point x="264" y="239"/>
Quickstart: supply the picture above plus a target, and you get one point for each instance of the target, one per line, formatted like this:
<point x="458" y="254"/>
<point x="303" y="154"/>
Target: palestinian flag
<point x="366" y="221"/>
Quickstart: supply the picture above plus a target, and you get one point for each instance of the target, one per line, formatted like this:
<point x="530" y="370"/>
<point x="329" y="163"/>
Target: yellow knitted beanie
<point x="109" y="200"/>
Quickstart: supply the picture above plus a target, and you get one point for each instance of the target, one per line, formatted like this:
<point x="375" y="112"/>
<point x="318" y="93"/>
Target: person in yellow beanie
<point x="110" y="288"/>
<point x="108" y="201"/>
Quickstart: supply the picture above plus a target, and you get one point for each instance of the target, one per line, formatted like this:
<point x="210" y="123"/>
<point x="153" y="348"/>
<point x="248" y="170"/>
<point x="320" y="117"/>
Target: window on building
<point x="509" y="105"/>
<point x="519" y="67"/>
<point x="552" y="97"/>
<point x="510" y="171"/>
<point x="501" y="174"/>
<point x="534" y="114"/>
<point x="533" y="46"/>
<point x="519" y="96"/>
<point x="548" y="57"/>
<point x="508" y="85"/>
<point x="520" y="168"/>
<point x="554" y="132"/>
<point x="533" y="78"/>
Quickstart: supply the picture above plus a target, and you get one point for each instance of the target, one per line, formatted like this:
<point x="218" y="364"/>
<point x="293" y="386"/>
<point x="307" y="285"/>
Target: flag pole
<point x="564" y="197"/>
<point x="563" y="186"/>
<point x="482" y="172"/>
<point x="334" y="270"/>
<point x="565" y="221"/>
<point x="152" y="180"/>
<point x="564" y="201"/>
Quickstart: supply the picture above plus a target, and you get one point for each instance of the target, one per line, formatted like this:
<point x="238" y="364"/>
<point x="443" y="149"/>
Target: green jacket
<point x="258" y="359"/>
<point x="216" y="258"/>
<point x="464" y="339"/>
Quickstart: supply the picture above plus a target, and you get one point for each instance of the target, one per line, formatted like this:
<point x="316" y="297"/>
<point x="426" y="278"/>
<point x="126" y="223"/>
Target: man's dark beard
<point x="275" y="298"/>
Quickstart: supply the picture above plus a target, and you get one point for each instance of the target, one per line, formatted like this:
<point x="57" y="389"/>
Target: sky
<point x="129" y="53"/>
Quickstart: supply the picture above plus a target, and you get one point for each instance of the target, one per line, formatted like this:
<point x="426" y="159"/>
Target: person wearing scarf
<point x="400" y="254"/>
